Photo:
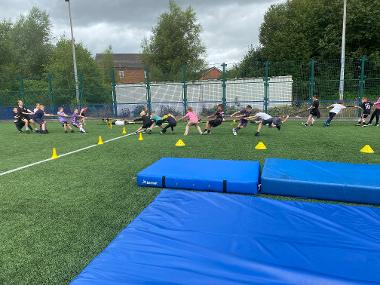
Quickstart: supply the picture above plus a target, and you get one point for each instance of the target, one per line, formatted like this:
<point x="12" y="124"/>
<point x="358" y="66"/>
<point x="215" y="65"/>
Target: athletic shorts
<point x="39" y="121"/>
<point x="19" y="124"/>
<point x="147" y="124"/>
<point x="214" y="123"/>
<point x="158" y="123"/>
<point x="365" y="115"/>
<point x="243" y="122"/>
<point x="172" y="123"/>
<point x="267" y="122"/>
<point x="315" y="113"/>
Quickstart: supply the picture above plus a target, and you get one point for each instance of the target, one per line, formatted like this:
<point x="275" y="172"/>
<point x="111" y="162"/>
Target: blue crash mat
<point x="359" y="183"/>
<point x="211" y="238"/>
<point x="233" y="176"/>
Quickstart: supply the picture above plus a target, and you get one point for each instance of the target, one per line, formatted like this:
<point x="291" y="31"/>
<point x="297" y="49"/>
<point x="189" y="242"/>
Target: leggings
<point x="331" y="116"/>
<point x="170" y="125"/>
<point x="376" y="114"/>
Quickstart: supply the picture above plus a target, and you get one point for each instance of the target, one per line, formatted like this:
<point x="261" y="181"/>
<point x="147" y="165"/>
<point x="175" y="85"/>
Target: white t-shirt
<point x="119" y="123"/>
<point x="263" y="116"/>
<point x="337" y="108"/>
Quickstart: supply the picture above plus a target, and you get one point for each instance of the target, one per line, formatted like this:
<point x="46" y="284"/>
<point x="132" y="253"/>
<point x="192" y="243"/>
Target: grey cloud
<point x="229" y="27"/>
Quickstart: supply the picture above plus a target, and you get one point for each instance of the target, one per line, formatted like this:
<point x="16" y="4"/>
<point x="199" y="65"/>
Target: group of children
<point x="169" y="121"/>
<point x="365" y="106"/>
<point x="34" y="121"/>
<point x="25" y="118"/>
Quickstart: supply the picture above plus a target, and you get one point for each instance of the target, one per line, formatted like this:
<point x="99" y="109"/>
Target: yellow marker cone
<point x="54" y="154"/>
<point x="141" y="137"/>
<point x="367" y="149"/>
<point x="124" y="132"/>
<point x="100" y="140"/>
<point x="260" y="146"/>
<point x="180" y="143"/>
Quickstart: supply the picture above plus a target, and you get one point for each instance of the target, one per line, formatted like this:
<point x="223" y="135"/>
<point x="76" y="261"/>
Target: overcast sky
<point x="229" y="27"/>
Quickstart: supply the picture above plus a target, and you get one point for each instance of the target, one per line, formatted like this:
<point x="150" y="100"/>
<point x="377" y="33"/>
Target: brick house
<point x="211" y="73"/>
<point x="129" y="67"/>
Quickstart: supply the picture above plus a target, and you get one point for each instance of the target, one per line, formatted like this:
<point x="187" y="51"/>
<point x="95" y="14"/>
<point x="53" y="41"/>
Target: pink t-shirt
<point x="193" y="118"/>
<point x="378" y="104"/>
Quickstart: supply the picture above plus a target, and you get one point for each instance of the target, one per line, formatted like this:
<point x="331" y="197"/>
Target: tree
<point x="7" y="67"/>
<point x="301" y="29"/>
<point x="30" y="39"/>
<point x="61" y="68"/>
<point x="175" y="42"/>
<point x="106" y="66"/>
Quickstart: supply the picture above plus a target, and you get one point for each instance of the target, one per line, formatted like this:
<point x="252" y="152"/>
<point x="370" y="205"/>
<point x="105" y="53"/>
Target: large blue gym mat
<point x="359" y="183"/>
<point x="192" y="238"/>
<point x="233" y="176"/>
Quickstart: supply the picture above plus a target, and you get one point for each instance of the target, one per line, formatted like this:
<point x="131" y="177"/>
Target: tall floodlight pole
<point x="74" y="55"/>
<point x="343" y="53"/>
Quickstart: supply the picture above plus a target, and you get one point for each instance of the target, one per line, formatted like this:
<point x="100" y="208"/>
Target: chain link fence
<point x="274" y="87"/>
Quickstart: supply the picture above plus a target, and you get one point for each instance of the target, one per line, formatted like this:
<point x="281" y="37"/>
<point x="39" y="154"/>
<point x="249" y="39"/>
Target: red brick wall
<point x="213" y="73"/>
<point x="132" y="76"/>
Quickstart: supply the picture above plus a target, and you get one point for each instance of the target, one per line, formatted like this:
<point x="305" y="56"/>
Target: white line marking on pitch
<point x="61" y="155"/>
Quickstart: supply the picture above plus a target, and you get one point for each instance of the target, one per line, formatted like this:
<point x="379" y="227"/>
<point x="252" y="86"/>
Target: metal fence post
<point x="312" y="79"/>
<point x="148" y="94"/>
<point x="266" y="86"/>
<point x="184" y="82"/>
<point x="50" y="91"/>
<point x="114" y="101"/>
<point x="362" y="79"/>
<point x="81" y="90"/>
<point x="224" y="86"/>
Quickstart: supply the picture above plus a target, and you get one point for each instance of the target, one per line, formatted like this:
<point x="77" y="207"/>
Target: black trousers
<point x="376" y="114"/>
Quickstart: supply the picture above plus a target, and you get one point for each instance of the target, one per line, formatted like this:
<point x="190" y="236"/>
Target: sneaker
<point x="358" y="124"/>
<point x="71" y="131"/>
<point x="204" y="133"/>
<point x="234" y="132"/>
<point x="149" y="132"/>
<point x="305" y="124"/>
<point x="257" y="134"/>
<point x="376" y="125"/>
<point x="365" y="125"/>
<point x="66" y="132"/>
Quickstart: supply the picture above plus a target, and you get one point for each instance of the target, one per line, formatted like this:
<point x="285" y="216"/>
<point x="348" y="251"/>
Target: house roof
<point x="131" y="60"/>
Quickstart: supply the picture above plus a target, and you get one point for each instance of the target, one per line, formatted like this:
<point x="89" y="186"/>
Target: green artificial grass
<point x="55" y="217"/>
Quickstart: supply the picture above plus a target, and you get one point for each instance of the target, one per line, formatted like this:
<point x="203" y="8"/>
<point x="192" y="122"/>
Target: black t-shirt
<point x="219" y="115"/>
<point x="315" y="104"/>
<point x="20" y="111"/>
<point x="171" y="120"/>
<point x="277" y="121"/>
<point x="39" y="115"/>
<point x="16" y="117"/>
<point x="366" y="107"/>
<point x="245" y="113"/>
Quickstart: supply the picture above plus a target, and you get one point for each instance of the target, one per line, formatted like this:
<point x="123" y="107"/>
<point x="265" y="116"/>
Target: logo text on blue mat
<point x="150" y="182"/>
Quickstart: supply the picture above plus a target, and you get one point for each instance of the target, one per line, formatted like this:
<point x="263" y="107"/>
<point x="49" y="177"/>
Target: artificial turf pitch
<point x="56" y="216"/>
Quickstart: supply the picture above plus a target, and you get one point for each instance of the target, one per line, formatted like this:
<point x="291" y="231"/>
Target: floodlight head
<point x="67" y="0"/>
